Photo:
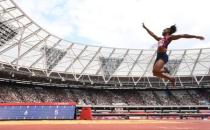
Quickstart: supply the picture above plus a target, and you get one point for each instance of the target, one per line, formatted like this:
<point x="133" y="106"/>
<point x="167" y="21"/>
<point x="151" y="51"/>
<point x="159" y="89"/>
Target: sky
<point x="118" y="23"/>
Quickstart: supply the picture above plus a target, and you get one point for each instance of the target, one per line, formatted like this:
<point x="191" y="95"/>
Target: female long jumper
<point x="162" y="58"/>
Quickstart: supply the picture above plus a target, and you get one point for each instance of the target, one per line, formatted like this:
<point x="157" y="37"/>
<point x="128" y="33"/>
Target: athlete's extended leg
<point x="157" y="71"/>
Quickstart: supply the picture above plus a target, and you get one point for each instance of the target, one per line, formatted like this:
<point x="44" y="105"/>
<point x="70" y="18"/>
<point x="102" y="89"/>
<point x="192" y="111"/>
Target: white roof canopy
<point x="26" y="49"/>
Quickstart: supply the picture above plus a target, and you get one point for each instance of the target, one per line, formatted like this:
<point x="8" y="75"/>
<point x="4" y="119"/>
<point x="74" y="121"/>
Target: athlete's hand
<point x="200" y="38"/>
<point x="143" y="25"/>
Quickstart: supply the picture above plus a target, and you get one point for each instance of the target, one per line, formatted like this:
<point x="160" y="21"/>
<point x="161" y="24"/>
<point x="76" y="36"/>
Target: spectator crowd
<point x="32" y="93"/>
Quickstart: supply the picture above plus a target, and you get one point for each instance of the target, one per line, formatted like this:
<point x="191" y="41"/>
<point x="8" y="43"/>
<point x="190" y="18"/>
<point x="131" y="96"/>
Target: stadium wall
<point x="37" y="111"/>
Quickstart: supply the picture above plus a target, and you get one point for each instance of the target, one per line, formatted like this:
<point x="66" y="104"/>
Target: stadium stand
<point x="12" y="92"/>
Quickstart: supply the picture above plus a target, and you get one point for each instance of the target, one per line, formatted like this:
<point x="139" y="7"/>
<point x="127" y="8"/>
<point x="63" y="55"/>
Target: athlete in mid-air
<point x="162" y="58"/>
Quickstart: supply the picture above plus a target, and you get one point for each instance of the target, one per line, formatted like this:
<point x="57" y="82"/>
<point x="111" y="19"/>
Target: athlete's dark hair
<point x="173" y="29"/>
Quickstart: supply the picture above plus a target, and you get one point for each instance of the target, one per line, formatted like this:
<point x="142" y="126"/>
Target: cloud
<point x="49" y="14"/>
<point x="117" y="23"/>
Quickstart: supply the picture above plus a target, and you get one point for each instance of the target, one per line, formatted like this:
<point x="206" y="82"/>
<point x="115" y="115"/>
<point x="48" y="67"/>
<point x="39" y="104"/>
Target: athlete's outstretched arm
<point x="151" y="33"/>
<point x="176" y="37"/>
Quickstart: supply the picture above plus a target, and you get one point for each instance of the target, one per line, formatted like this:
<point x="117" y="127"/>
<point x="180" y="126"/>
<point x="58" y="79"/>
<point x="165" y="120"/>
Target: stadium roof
<point x="24" y="44"/>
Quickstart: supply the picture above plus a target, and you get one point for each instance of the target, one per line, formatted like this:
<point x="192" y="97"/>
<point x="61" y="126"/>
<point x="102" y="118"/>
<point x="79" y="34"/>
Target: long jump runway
<point x="107" y="125"/>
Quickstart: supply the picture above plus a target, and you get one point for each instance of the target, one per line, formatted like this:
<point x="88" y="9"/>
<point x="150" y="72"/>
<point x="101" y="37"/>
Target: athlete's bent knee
<point x="155" y="73"/>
